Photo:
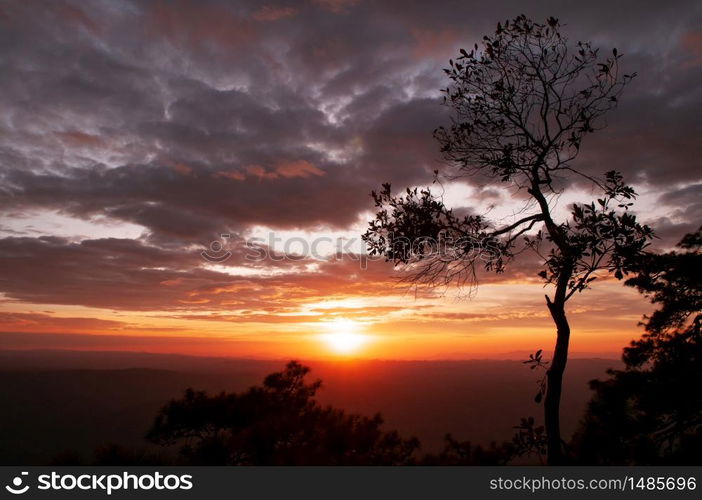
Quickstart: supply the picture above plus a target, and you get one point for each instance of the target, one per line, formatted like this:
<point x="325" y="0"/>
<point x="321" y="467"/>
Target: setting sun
<point x="343" y="336"/>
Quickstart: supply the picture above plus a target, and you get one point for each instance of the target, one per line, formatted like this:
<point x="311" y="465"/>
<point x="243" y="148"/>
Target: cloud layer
<point x="189" y="119"/>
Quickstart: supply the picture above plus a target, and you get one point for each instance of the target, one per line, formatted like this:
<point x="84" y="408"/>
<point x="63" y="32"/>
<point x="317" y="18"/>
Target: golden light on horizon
<point x="343" y="336"/>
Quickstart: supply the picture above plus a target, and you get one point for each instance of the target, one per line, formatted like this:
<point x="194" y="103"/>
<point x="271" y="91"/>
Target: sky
<point x="135" y="135"/>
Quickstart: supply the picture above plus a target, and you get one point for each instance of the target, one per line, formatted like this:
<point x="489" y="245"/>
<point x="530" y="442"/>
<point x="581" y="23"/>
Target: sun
<point x="344" y="336"/>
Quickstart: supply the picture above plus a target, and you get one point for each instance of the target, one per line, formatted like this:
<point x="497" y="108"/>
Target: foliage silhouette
<point x="529" y="440"/>
<point x="278" y="423"/>
<point x="651" y="412"/>
<point x="522" y="105"/>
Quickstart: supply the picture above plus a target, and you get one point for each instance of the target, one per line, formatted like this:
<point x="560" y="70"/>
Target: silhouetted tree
<point x="278" y="423"/>
<point x="673" y="281"/>
<point x="651" y="412"/>
<point x="522" y="105"/>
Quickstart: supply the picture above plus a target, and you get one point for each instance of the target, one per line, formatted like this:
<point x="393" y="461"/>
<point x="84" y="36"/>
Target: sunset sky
<point x="133" y="134"/>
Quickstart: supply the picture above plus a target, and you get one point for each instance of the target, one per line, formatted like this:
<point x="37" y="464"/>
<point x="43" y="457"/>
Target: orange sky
<point x="134" y="135"/>
<point x="500" y="321"/>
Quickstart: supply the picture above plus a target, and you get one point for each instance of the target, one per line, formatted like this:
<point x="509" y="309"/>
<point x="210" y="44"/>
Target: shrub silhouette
<point x="278" y="423"/>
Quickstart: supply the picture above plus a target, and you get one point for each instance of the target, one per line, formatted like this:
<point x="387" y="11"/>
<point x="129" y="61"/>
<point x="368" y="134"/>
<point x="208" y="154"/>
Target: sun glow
<point x="344" y="336"/>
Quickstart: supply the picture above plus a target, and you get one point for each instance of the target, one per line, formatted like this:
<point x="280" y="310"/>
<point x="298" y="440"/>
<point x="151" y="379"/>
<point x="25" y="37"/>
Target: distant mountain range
<point x="59" y="401"/>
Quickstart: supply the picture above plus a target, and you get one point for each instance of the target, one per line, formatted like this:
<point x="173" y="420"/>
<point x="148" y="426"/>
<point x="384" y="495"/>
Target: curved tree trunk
<point x="554" y="386"/>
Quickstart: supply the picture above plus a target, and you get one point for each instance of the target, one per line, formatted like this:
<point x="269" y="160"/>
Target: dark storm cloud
<point x="192" y="118"/>
<point x="685" y="214"/>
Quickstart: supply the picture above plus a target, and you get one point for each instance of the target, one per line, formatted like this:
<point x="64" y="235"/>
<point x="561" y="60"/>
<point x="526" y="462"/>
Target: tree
<point x="646" y="414"/>
<point x="522" y="105"/>
<point x="278" y="423"/>
<point x="674" y="281"/>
